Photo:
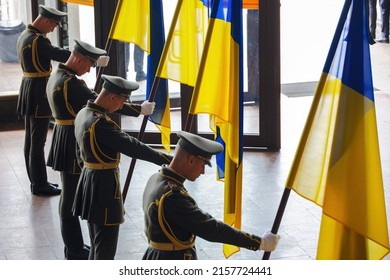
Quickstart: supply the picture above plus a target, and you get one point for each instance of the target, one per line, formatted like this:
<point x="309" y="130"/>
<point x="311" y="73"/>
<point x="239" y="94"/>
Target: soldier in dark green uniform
<point x="173" y="218"/>
<point x="35" y="53"/>
<point x="67" y="94"/>
<point x="98" y="196"/>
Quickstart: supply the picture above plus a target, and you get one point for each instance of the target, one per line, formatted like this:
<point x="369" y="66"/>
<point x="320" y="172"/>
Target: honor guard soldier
<point x="35" y="53"/>
<point x="173" y="218"/>
<point x="67" y="95"/>
<point x="100" y="142"/>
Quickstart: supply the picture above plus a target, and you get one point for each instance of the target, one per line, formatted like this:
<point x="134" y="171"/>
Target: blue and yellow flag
<point x="180" y="57"/>
<point x="161" y="115"/>
<point x="219" y="93"/>
<point x="131" y="23"/>
<point x="142" y="23"/>
<point x="185" y="45"/>
<point x="337" y="164"/>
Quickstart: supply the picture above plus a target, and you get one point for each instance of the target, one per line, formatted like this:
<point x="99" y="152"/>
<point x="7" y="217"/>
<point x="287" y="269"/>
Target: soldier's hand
<point x="269" y="241"/>
<point x="102" y="61"/>
<point x="147" y="108"/>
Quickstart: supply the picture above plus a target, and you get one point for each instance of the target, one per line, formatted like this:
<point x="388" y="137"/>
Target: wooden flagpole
<point x="152" y="95"/>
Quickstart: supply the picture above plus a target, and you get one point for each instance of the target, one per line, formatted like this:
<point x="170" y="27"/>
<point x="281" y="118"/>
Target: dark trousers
<point x="385" y="8"/>
<point x="104" y="240"/>
<point x="70" y="225"/>
<point x="372" y="16"/>
<point x="138" y="59"/>
<point x="34" y="144"/>
<point x="138" y="56"/>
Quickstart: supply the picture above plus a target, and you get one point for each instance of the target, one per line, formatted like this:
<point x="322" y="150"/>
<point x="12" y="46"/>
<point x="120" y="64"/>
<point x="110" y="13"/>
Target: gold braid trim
<point x="161" y="219"/>
<point x="35" y="59"/>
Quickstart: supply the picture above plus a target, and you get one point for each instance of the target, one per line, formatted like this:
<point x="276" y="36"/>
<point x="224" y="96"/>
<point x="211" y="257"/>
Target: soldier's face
<point x="51" y="25"/>
<point x="196" y="168"/>
<point x="117" y="102"/>
<point x="84" y="66"/>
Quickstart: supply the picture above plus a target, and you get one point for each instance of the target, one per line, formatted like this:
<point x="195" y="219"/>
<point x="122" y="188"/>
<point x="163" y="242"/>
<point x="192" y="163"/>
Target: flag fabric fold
<point x="131" y="23"/>
<point x="161" y="114"/>
<point x="337" y="163"/>
<point x="219" y="92"/>
<point x="180" y="57"/>
<point x="142" y="22"/>
<point x="184" y="49"/>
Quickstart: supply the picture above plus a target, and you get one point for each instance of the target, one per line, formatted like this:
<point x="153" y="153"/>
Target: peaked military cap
<point x="199" y="146"/>
<point x="52" y="14"/>
<point x="119" y="85"/>
<point x="87" y="50"/>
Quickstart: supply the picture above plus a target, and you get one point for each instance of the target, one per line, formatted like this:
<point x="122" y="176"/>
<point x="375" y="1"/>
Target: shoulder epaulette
<point x="174" y="186"/>
<point x="98" y="115"/>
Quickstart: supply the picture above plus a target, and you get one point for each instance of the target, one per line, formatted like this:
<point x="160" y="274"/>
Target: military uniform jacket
<point x="173" y="220"/>
<point x="100" y="141"/>
<point x="35" y="53"/>
<point x="67" y="95"/>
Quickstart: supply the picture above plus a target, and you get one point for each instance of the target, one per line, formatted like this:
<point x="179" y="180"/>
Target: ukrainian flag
<point x="142" y="23"/>
<point x="219" y="93"/>
<point x="337" y="164"/>
<point x="180" y="57"/>
<point x="131" y="23"/>
<point x="161" y="115"/>
<point x="185" y="45"/>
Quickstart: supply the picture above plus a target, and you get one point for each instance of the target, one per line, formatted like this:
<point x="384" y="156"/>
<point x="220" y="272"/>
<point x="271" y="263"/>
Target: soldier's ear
<point x="113" y="97"/>
<point x="46" y="20"/>
<point x="191" y="159"/>
<point x="79" y="60"/>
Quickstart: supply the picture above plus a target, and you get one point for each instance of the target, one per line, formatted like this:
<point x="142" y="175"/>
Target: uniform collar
<point x="170" y="174"/>
<point x="62" y="66"/>
<point x="34" y="29"/>
<point x="93" y="106"/>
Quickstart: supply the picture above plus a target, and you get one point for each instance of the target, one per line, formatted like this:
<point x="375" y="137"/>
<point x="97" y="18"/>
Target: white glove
<point x="102" y="61"/>
<point x="269" y="241"/>
<point x="147" y="108"/>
